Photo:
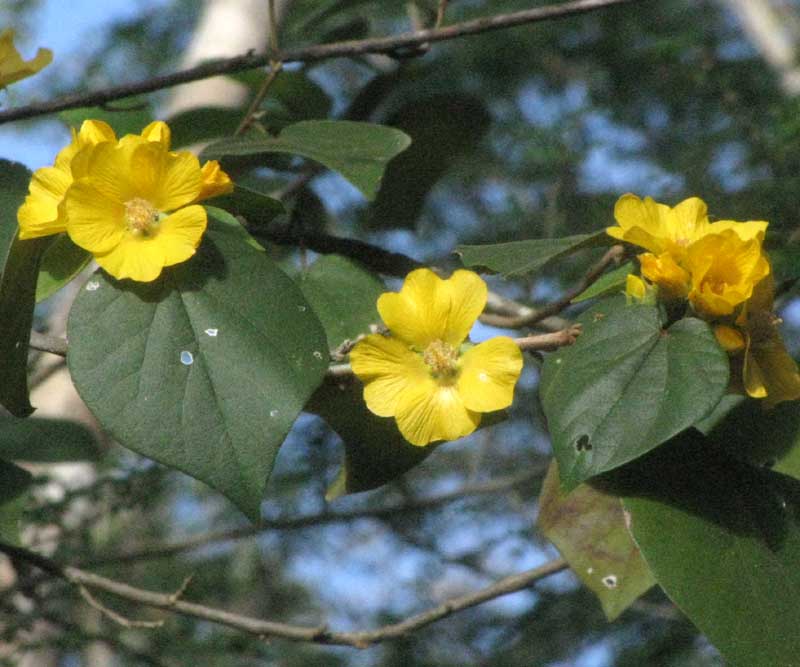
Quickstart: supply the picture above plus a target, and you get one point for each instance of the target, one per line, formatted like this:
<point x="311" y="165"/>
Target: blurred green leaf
<point x="129" y="116"/>
<point x="627" y="385"/>
<point x="13" y="483"/>
<point x="608" y="284"/>
<point x="19" y="266"/>
<point x="444" y="129"/>
<point x="343" y="295"/>
<point x="203" y="124"/>
<point x="723" y="540"/>
<point x="45" y="440"/>
<point x="251" y="204"/>
<point x="588" y="528"/>
<point x="359" y="151"/>
<point x="212" y="362"/>
<point x="518" y="258"/>
<point x="61" y="262"/>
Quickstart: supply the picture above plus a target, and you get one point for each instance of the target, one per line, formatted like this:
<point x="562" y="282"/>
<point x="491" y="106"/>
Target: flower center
<point x="141" y="217"/>
<point x="442" y="359"/>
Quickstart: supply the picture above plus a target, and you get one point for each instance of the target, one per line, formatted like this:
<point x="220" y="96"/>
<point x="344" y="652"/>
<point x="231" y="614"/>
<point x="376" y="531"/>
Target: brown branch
<point x="391" y="45"/>
<point x="51" y="344"/>
<point x="268" y="629"/>
<point x="612" y="256"/>
<point x="498" y="485"/>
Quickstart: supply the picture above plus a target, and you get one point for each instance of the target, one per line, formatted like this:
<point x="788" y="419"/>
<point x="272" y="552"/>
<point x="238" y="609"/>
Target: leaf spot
<point x="92" y="285"/>
<point x="302" y="309"/>
<point x="610" y="581"/>
<point x="212" y="332"/>
<point x="273" y="413"/>
<point x="589" y="570"/>
<point x="187" y="358"/>
<point x="317" y="354"/>
<point x="582" y="444"/>
<point x="558" y="361"/>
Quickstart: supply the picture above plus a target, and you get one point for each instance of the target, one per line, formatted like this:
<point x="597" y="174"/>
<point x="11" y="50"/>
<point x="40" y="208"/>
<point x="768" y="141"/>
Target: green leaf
<point x="13" y="483"/>
<point x="19" y="266"/>
<point x="759" y="436"/>
<point x="627" y="385"/>
<point x="203" y="124"/>
<point x="444" y="129"/>
<point x="723" y="540"/>
<point x="133" y="116"/>
<point x="609" y="283"/>
<point x="251" y="204"/>
<point x="375" y="450"/>
<point x="359" y="151"/>
<point x="518" y="258"/>
<point x="344" y="297"/>
<point x="45" y="440"/>
<point x="588" y="528"/>
<point x="204" y="369"/>
<point x="785" y="262"/>
<point x="61" y="263"/>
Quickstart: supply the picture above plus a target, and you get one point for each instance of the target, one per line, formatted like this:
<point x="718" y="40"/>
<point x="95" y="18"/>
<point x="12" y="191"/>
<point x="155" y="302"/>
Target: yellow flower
<point x="12" y="66"/>
<point x="422" y="375"/>
<point x="660" y="229"/>
<point x="635" y="288"/>
<point x="724" y="270"/>
<point x="672" y="280"/>
<point x="128" y="202"/>
<point x="42" y="214"/>
<point x="769" y="371"/>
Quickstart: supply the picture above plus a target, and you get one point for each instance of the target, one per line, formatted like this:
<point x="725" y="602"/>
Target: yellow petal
<point x="167" y="180"/>
<point x="729" y="338"/>
<point x="12" y="66"/>
<point x="179" y="234"/>
<point x="690" y="220"/>
<point x="139" y="259"/>
<point x="428" y="308"/>
<point x="158" y="131"/>
<point x="489" y="373"/>
<point x="635" y="287"/>
<point x="92" y="132"/>
<point x="386" y="366"/>
<point x="746" y="231"/>
<point x="672" y="280"/>
<point x="215" y="181"/>
<point x="95" y="221"/>
<point x="39" y="214"/>
<point x="428" y="412"/>
<point x="108" y="167"/>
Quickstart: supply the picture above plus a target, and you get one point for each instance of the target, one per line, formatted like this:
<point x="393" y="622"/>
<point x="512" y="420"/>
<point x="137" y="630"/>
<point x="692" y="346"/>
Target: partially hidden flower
<point x="131" y="203"/>
<point x="425" y="374"/>
<point x="662" y="270"/>
<point x="660" y="228"/>
<point x="12" y="66"/>
<point x="724" y="271"/>
<point x="754" y="342"/>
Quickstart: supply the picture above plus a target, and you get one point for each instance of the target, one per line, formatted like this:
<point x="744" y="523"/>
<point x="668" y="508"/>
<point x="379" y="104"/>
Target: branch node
<point x="117" y="618"/>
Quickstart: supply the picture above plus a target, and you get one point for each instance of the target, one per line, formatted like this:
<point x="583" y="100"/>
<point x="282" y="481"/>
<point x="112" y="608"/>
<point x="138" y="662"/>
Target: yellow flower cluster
<point x="723" y="272"/>
<point x="131" y="202"/>
<point x="424" y="375"/>
<point x="12" y="66"/>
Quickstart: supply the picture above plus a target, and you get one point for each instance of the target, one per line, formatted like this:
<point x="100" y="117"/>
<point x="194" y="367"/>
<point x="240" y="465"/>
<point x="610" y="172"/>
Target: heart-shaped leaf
<point x="205" y="369"/>
<point x="627" y="385"/>
<point x="723" y="540"/>
<point x="358" y="151"/>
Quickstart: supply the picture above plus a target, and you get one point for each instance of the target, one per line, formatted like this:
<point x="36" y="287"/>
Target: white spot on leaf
<point x="302" y="309"/>
<point x="317" y="354"/>
<point x="211" y="332"/>
<point x="92" y="285"/>
<point x="187" y="358"/>
<point x="273" y="413"/>
<point x="610" y="581"/>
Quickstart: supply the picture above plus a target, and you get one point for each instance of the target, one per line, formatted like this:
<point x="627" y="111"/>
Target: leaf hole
<point x="582" y="444"/>
<point x="610" y="581"/>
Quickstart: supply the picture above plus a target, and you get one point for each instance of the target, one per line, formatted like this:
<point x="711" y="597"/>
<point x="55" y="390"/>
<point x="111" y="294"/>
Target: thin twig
<point x="267" y="629"/>
<point x="46" y="343"/>
<point x="612" y="256"/>
<point x="119" y="619"/>
<point x="346" y="49"/>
